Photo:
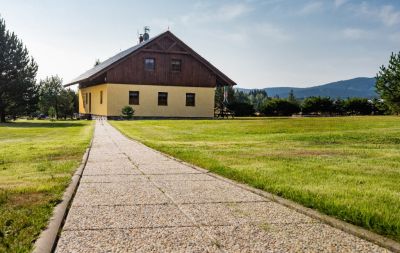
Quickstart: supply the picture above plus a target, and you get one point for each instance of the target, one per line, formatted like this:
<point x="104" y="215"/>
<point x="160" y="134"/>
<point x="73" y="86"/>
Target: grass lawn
<point x="37" y="159"/>
<point x="347" y="167"/>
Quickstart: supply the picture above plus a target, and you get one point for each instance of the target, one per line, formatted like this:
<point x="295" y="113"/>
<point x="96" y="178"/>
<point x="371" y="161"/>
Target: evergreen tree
<point x="388" y="83"/>
<point x="18" y="90"/>
<point x="291" y="97"/>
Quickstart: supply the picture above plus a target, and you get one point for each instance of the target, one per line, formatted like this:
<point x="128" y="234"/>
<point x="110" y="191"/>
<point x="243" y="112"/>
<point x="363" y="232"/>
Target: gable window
<point x="176" y="65"/>
<point x="190" y="99"/>
<point x="162" y="98"/>
<point x="149" y="64"/>
<point x="133" y="97"/>
<point x="101" y="97"/>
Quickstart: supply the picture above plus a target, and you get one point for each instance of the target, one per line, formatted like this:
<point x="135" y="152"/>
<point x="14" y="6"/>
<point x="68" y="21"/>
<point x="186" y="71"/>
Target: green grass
<point x="347" y="167"/>
<point x="37" y="159"/>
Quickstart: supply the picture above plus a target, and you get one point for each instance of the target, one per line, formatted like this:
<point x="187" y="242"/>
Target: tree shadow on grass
<point x="56" y="124"/>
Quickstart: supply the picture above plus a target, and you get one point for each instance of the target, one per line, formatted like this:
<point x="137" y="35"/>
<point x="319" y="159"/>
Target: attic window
<point x="176" y="65"/>
<point x="149" y="64"/>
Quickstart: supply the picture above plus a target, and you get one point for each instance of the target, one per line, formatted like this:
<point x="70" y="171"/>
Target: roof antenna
<point x="146" y="35"/>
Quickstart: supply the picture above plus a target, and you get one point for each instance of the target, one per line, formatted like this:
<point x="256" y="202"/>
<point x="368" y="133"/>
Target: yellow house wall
<point x="118" y="97"/>
<point x="97" y="108"/>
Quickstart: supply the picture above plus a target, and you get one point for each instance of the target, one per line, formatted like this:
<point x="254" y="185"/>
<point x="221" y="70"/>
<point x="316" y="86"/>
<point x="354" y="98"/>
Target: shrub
<point x="52" y="113"/>
<point x="318" y="105"/>
<point x="127" y="112"/>
<point x="242" y="108"/>
<point x="358" y="106"/>
<point x="280" y="107"/>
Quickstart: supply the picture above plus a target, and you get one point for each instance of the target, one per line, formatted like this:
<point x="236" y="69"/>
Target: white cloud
<point x="263" y="32"/>
<point x="386" y="14"/>
<point x="311" y="7"/>
<point x="232" y="11"/>
<point x="162" y="24"/>
<point x="339" y="3"/>
<point x="205" y="13"/>
<point x="355" y="33"/>
<point x="389" y="15"/>
<point x="272" y="32"/>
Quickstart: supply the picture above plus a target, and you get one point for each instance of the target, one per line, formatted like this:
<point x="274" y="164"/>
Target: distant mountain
<point x="357" y="87"/>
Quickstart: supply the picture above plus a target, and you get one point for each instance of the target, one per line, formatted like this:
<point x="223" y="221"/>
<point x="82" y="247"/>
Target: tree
<point x="18" y="89"/>
<point x="52" y="112"/>
<point x="280" y="107"/>
<point x="242" y="108"/>
<point x="50" y="93"/>
<point x="358" y="106"/>
<point x="257" y="98"/>
<point x="317" y="105"/>
<point x="388" y="83"/>
<point x="127" y="112"/>
<point x="241" y="97"/>
<point x="379" y="107"/>
<point x="291" y="97"/>
<point x="68" y="103"/>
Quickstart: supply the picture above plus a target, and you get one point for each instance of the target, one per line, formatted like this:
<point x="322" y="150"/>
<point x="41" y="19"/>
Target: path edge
<point x="334" y="222"/>
<point x="48" y="238"/>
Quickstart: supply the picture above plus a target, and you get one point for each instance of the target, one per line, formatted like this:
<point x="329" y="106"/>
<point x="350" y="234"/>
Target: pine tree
<point x="388" y="83"/>
<point x="18" y="90"/>
<point x="291" y="96"/>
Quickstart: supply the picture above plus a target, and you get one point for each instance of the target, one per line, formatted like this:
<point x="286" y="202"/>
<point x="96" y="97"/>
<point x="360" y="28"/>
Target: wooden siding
<point x="192" y="73"/>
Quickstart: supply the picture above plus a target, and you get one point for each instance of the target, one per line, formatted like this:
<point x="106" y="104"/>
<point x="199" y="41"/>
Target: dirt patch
<point x="297" y="153"/>
<point x="27" y="199"/>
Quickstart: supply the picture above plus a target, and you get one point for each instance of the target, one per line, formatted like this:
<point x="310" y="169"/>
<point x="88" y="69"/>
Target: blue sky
<point x="256" y="43"/>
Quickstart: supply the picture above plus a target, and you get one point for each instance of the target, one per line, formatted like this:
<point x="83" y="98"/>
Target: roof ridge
<point x="109" y="61"/>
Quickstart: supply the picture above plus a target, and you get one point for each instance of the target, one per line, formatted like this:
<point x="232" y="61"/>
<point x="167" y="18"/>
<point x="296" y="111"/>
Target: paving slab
<point x="134" y="199"/>
<point x="308" y="237"/>
<point x="121" y="193"/>
<point x="206" y="192"/>
<point x="181" y="177"/>
<point x="168" y="167"/>
<point x="110" y="168"/>
<point x="218" y="214"/>
<point x="113" y="178"/>
<point x="181" y="239"/>
<point x="125" y="217"/>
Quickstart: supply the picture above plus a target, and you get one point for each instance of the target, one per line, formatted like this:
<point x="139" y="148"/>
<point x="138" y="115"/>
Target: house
<point x="159" y="77"/>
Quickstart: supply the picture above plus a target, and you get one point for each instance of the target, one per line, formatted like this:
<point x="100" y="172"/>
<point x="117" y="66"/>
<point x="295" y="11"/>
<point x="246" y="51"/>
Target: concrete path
<point x="132" y="198"/>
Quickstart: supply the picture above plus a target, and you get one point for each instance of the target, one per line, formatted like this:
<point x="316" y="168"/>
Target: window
<point x="190" y="99"/>
<point x="86" y="96"/>
<point x="176" y="65"/>
<point x="133" y="97"/>
<point x="162" y="98"/>
<point x="101" y="97"/>
<point x="149" y="64"/>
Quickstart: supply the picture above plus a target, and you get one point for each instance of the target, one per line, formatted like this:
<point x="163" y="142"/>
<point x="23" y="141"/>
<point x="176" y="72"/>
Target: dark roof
<point x="105" y="65"/>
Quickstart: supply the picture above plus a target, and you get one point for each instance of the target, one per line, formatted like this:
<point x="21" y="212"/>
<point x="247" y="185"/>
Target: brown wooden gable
<point x="195" y="70"/>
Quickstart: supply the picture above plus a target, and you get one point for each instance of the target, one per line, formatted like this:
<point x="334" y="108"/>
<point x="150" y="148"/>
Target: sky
<point x="257" y="43"/>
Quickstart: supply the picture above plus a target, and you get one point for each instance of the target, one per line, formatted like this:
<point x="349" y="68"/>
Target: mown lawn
<point x="347" y="167"/>
<point x="37" y="159"/>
